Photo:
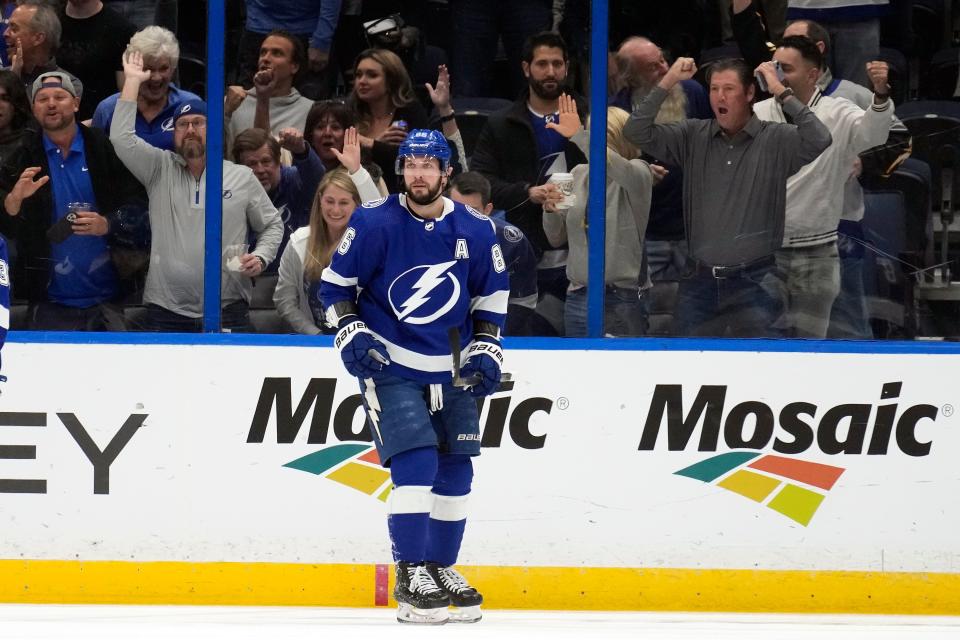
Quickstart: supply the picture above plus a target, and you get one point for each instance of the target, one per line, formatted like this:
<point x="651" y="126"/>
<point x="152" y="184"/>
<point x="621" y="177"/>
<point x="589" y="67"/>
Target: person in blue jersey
<point x="159" y="98"/>
<point x="422" y="265"/>
<point x="472" y="189"/>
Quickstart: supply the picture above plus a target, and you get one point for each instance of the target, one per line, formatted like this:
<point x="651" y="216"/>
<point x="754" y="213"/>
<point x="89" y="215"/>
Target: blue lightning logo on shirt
<point x="433" y="276"/>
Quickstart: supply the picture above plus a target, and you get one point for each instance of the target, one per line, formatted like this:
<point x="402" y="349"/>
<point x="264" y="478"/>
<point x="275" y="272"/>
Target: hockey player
<point x="423" y="265"/>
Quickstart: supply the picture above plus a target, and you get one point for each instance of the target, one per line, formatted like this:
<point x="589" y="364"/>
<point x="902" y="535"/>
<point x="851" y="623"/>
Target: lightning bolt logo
<point x="433" y="276"/>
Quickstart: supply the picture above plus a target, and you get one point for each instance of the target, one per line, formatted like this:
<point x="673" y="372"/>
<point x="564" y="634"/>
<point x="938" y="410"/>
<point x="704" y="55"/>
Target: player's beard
<point x="432" y="194"/>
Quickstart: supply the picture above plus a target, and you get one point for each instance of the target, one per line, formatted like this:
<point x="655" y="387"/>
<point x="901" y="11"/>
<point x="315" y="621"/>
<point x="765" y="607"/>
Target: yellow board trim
<point x="342" y="585"/>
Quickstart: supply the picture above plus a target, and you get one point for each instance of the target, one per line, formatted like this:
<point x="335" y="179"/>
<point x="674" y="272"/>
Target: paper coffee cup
<point x="564" y="182"/>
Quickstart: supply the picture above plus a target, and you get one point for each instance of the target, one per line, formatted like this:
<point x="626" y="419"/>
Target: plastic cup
<point x="232" y="256"/>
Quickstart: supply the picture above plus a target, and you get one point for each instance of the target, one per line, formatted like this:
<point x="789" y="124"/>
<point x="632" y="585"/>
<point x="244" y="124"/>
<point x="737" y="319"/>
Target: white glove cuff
<point x="348" y="333"/>
<point x="488" y="348"/>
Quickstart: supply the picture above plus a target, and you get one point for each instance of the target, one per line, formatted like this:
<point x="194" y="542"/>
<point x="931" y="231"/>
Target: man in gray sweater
<point x="176" y="185"/>
<point x="734" y="193"/>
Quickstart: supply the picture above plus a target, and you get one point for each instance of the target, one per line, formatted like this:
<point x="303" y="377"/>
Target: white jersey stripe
<point x="331" y="276"/>
<point x="496" y="302"/>
<point x="419" y="361"/>
<point x="4" y="317"/>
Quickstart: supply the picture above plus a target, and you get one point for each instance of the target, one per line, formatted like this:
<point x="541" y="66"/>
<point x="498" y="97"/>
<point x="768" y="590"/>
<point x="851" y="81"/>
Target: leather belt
<point x="732" y="270"/>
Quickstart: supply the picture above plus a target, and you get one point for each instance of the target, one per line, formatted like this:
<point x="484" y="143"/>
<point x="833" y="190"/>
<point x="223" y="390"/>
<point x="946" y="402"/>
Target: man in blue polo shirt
<point x="158" y="99"/>
<point x="61" y="192"/>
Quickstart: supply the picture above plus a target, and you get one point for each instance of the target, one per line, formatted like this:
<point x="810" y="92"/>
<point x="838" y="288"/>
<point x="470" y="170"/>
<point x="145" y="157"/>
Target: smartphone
<point x="762" y="82"/>
<point x="62" y="228"/>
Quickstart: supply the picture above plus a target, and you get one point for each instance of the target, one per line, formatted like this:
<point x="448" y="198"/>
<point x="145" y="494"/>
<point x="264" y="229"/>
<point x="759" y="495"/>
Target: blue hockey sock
<point x="410" y="502"/>
<point x="448" y="518"/>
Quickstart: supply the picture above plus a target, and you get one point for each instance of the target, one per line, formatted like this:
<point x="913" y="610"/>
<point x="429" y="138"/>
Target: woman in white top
<point x="310" y="248"/>
<point x="629" y="185"/>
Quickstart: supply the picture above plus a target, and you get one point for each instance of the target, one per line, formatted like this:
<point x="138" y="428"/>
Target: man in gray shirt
<point x="734" y="192"/>
<point x="176" y="185"/>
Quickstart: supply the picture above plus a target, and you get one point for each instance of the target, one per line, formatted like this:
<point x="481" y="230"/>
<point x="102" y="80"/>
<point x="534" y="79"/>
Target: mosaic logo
<point x="794" y="488"/>
<point x="354" y="465"/>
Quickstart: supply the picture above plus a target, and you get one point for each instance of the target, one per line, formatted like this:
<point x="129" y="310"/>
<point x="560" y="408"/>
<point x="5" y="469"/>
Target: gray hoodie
<point x="177" y="212"/>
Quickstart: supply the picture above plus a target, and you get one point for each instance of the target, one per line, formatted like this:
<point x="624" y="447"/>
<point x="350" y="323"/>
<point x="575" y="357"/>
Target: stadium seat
<point x="933" y="125"/>
<point x="899" y="74"/>
<point x="939" y="81"/>
<point x="472" y="114"/>
<point x="709" y="56"/>
<point x="662" y="299"/>
<point x="193" y="74"/>
<point x="888" y="284"/>
<point x="931" y="26"/>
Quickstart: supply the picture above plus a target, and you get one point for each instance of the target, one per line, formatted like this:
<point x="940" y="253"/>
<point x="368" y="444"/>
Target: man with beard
<point x="517" y="152"/>
<point x="62" y="189"/>
<point x="642" y="65"/>
<point x="272" y="104"/>
<point x="422" y="264"/>
<point x="159" y="98"/>
<point x="176" y="185"/>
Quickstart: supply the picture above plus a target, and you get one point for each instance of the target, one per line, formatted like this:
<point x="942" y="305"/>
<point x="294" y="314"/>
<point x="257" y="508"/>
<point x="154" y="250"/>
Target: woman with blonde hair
<point x="311" y="247"/>
<point x="629" y="185"/>
<point x="386" y="107"/>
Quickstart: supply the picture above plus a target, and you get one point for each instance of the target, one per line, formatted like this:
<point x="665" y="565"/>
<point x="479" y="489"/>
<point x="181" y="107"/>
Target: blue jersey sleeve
<point x="488" y="281"/>
<point x="352" y="263"/>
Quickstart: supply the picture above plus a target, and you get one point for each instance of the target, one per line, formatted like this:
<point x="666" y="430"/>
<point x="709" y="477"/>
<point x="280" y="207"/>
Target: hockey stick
<point x="453" y="334"/>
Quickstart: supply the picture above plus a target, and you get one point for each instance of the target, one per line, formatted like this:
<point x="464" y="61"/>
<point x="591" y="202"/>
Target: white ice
<point x="103" y="622"/>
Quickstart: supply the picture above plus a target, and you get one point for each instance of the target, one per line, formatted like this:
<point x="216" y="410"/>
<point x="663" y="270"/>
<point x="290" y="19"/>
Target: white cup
<point x="564" y="182"/>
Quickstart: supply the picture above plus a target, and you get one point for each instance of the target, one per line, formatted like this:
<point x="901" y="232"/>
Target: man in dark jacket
<point x="517" y="152"/>
<point x="61" y="193"/>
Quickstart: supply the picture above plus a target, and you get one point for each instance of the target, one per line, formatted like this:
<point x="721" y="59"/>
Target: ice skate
<point x="465" y="600"/>
<point x="419" y="598"/>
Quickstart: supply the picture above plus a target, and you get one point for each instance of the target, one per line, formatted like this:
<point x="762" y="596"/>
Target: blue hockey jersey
<point x="417" y="278"/>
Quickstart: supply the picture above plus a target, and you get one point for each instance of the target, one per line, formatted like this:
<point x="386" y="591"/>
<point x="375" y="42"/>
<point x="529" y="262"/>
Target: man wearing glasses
<point x="176" y="185"/>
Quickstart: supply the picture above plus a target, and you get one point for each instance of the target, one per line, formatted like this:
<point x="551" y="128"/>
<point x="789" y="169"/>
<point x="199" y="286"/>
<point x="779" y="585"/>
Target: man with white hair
<point x="159" y="97"/>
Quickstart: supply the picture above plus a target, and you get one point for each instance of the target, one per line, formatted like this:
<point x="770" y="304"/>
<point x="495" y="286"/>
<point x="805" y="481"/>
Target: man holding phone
<point x="60" y="190"/>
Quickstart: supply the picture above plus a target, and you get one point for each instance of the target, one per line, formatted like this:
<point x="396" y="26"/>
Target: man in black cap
<point x="61" y="192"/>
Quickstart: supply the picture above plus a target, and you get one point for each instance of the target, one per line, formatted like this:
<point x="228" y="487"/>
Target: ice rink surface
<point x="74" y="622"/>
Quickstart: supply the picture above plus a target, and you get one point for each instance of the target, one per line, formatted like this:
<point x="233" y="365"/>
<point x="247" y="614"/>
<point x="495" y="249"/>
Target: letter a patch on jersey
<point x="461" y="252"/>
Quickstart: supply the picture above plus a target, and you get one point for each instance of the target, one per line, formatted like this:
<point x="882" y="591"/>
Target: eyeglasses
<point x="183" y="125"/>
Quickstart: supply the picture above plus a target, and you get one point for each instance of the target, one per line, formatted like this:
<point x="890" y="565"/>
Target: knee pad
<point x="416" y="467"/>
<point x="454" y="475"/>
